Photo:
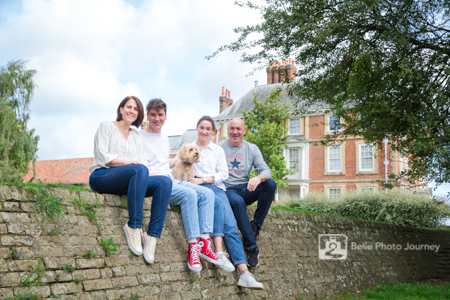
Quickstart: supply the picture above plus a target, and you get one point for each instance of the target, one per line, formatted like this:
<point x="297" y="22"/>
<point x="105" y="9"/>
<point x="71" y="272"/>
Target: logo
<point x="332" y="246"/>
<point x="235" y="164"/>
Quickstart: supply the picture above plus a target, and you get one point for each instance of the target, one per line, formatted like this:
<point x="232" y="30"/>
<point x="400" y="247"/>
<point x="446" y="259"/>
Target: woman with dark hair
<point x="211" y="172"/>
<point x="119" y="168"/>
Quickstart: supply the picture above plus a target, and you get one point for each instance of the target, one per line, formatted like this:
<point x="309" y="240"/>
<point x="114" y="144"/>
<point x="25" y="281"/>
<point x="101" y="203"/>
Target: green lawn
<point x="398" y="291"/>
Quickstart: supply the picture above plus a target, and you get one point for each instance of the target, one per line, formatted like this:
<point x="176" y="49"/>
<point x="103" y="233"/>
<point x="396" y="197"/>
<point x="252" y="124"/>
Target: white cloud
<point x="91" y="54"/>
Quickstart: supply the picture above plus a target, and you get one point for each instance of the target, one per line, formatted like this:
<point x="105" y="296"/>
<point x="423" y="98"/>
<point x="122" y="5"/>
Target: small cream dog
<point x="184" y="169"/>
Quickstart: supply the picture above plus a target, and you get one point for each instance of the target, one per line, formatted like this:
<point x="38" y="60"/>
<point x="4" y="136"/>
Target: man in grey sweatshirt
<point x="241" y="157"/>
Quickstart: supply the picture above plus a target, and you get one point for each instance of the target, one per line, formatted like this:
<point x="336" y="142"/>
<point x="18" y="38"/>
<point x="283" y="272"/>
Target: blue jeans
<point x="225" y="225"/>
<point x="239" y="197"/>
<point x="134" y="181"/>
<point x="197" y="207"/>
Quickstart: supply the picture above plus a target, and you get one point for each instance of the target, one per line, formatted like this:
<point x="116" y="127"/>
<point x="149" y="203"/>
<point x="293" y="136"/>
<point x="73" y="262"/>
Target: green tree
<point x="18" y="145"/>
<point x="266" y="129"/>
<point x="380" y="65"/>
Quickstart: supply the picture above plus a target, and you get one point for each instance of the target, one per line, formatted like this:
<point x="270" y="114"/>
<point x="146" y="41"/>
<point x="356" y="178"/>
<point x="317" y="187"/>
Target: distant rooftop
<point x="246" y="101"/>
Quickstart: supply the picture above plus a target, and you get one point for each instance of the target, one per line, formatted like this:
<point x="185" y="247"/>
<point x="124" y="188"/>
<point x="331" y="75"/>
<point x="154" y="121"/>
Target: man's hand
<point x="253" y="183"/>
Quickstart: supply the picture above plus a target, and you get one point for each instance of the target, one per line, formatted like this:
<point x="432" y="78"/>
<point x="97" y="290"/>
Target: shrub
<point x="398" y="209"/>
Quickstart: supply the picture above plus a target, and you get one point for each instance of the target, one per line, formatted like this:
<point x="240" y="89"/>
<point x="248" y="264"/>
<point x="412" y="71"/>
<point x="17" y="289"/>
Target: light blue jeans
<point x="197" y="207"/>
<point x="225" y="225"/>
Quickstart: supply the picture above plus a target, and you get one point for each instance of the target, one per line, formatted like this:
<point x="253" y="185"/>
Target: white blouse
<point x="212" y="163"/>
<point x="109" y="144"/>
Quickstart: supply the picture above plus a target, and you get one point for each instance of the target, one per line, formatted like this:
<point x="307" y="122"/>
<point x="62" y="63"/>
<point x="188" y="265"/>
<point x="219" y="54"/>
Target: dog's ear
<point x="182" y="154"/>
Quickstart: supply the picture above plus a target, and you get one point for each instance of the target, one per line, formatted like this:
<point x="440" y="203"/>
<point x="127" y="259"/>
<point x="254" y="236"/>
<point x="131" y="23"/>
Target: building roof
<point x="261" y="92"/>
<point x="69" y="171"/>
<point x="176" y="141"/>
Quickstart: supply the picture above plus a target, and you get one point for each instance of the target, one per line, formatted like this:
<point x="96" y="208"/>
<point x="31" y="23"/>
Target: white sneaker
<point x="247" y="280"/>
<point x="225" y="264"/>
<point x="149" y="247"/>
<point x="134" y="239"/>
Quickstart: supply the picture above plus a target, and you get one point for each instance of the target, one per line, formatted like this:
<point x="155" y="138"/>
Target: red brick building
<point x="350" y="165"/>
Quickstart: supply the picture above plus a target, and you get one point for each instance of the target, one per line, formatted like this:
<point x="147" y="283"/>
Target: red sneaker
<point x="207" y="253"/>
<point x="193" y="259"/>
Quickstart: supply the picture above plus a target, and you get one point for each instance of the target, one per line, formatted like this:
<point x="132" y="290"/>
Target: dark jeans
<point x="134" y="181"/>
<point x="239" y="197"/>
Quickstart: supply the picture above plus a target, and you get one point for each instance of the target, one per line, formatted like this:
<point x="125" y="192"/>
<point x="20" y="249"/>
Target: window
<point x="334" y="158"/>
<point x="366" y="157"/>
<point x="294" y="194"/>
<point x="335" y="193"/>
<point x="334" y="124"/>
<point x="294" y="160"/>
<point x="294" y="126"/>
<point x="367" y="189"/>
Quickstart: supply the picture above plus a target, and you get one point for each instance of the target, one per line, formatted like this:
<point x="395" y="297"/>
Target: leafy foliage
<point x="398" y="209"/>
<point x="108" y="246"/>
<point x="266" y="129"/>
<point x="382" y="66"/>
<point x="18" y="145"/>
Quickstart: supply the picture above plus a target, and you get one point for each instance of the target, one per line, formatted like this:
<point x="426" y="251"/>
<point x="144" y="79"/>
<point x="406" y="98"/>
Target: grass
<point x="38" y="271"/>
<point x="48" y="204"/>
<point x="26" y="296"/>
<point x="41" y="185"/>
<point x="67" y="268"/>
<point x="89" y="254"/>
<point x="400" y="291"/>
<point x="134" y="297"/>
<point x="14" y="253"/>
<point x="87" y="208"/>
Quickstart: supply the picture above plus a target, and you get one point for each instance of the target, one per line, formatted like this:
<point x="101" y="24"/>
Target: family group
<point x="137" y="162"/>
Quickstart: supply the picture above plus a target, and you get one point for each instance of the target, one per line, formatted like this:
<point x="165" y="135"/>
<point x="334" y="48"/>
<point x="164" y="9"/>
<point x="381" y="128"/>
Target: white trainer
<point x="247" y="280"/>
<point x="224" y="264"/>
<point x="149" y="247"/>
<point x="134" y="239"/>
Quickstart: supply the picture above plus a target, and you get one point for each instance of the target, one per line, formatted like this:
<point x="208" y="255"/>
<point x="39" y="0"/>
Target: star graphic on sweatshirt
<point x="235" y="164"/>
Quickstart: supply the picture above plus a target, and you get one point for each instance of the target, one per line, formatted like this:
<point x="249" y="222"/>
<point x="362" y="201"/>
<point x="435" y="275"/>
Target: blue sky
<point x="89" y="55"/>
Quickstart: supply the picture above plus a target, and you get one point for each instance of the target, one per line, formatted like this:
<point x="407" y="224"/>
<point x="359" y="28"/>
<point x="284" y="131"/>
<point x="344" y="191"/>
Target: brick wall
<point x="289" y="263"/>
<point x="350" y="178"/>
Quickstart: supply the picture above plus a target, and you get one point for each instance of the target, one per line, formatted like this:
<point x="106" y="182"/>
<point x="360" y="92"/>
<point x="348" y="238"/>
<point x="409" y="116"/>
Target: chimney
<point x="291" y="70"/>
<point x="281" y="71"/>
<point x="225" y="100"/>
<point x="256" y="83"/>
<point x="269" y="71"/>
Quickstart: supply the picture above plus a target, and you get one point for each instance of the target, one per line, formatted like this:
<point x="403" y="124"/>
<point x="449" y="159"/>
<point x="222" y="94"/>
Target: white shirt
<point x="212" y="163"/>
<point x="157" y="150"/>
<point x="109" y="144"/>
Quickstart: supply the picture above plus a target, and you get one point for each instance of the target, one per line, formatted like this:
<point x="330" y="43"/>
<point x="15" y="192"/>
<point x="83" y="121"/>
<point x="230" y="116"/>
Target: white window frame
<point x="371" y="189"/>
<point x="329" y="123"/>
<point x="299" y="126"/>
<point x="299" y="159"/>
<point x="334" y="188"/>
<point x="372" y="169"/>
<point x="329" y="159"/>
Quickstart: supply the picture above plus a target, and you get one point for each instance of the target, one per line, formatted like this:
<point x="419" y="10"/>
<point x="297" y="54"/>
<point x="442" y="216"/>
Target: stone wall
<point x="289" y="263"/>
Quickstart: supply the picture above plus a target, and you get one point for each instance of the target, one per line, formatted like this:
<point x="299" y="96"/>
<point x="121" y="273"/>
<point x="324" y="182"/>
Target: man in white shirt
<point x="197" y="203"/>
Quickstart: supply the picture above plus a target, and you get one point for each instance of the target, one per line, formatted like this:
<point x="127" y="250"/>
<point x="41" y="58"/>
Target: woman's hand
<point x="196" y="180"/>
<point x="134" y="162"/>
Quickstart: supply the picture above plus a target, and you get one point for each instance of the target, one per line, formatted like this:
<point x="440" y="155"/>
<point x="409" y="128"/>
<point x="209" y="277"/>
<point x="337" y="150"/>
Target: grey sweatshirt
<point x="240" y="161"/>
